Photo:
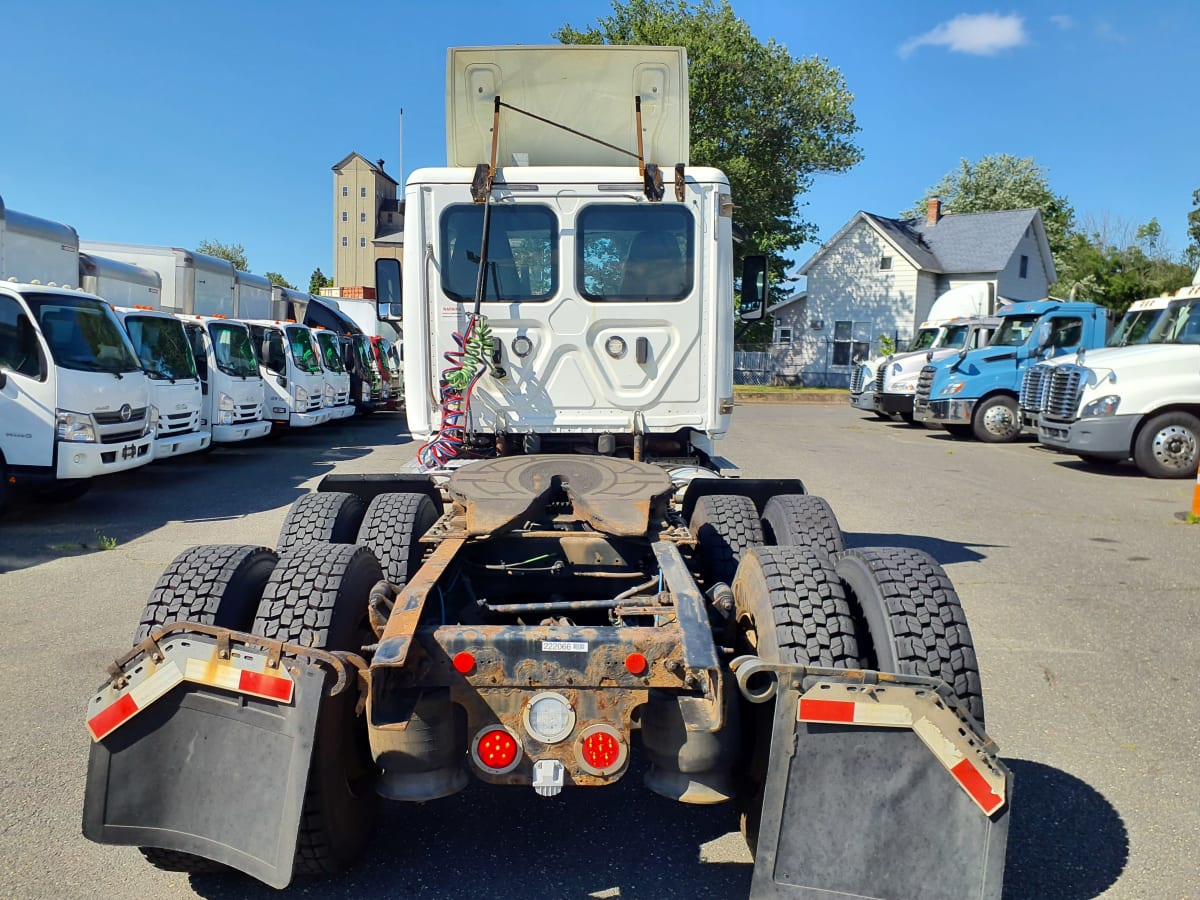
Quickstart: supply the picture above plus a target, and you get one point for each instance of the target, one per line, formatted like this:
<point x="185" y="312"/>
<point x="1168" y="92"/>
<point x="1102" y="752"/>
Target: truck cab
<point x="896" y="380"/>
<point x="976" y="392"/>
<point x="1140" y="400"/>
<point x="230" y="382"/>
<point x="330" y="354"/>
<point x="73" y="398"/>
<point x="162" y="348"/>
<point x="294" y="385"/>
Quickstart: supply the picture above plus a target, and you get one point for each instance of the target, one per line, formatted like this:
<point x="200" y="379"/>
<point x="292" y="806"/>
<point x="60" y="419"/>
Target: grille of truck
<point x="114" y="418"/>
<point x="924" y="388"/>
<point x="342" y="398"/>
<point x="857" y="377"/>
<point x="314" y="403"/>
<point x="1062" y="396"/>
<point x="178" y="423"/>
<point x="123" y="436"/>
<point x="879" y="378"/>
<point x="247" y="412"/>
<point x="1034" y="387"/>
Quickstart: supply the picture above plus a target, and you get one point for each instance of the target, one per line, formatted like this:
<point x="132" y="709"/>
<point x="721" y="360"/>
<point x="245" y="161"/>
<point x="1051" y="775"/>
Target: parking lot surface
<point x="1079" y="584"/>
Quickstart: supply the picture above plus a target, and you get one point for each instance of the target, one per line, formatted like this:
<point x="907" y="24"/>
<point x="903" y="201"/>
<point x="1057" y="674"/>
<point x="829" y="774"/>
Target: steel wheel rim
<point x="1000" y="421"/>
<point x="1175" y="447"/>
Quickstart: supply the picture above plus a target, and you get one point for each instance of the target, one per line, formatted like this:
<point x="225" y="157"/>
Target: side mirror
<point x="388" y="290"/>
<point x="1043" y="334"/>
<point x="754" y="289"/>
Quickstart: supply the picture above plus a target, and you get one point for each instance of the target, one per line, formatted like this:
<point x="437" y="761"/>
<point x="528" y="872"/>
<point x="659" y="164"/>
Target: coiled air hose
<point x="467" y="365"/>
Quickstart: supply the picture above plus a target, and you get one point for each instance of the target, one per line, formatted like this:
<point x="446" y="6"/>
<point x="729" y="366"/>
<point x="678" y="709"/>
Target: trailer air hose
<point x="466" y="366"/>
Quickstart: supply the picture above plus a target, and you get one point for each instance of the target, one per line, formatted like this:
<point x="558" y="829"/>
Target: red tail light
<point x="496" y="750"/>
<point x="601" y="750"/>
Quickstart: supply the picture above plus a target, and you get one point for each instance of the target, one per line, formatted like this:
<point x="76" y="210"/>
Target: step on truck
<point x="74" y="403"/>
<point x="569" y="575"/>
<point x="976" y="393"/>
<point x="1140" y="401"/>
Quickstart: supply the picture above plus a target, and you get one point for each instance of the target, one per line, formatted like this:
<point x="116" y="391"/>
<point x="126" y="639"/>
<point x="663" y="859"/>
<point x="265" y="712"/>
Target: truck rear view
<point x="570" y="575"/>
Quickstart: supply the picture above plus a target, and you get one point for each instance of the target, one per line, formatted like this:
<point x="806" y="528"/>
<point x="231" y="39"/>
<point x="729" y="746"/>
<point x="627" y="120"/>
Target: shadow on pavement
<point x="945" y="552"/>
<point x="229" y="482"/>
<point x="1065" y="841"/>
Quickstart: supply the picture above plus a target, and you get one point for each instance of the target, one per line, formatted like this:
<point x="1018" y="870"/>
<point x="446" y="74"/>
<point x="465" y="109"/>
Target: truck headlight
<point x="301" y="395"/>
<point x="76" y="428"/>
<point x="225" y="402"/>
<point x="953" y="388"/>
<point x="366" y="392"/>
<point x="330" y="395"/>
<point x="151" y="421"/>
<point x="1105" y="406"/>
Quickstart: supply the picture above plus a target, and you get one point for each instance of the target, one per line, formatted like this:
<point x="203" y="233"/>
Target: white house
<point x="878" y="277"/>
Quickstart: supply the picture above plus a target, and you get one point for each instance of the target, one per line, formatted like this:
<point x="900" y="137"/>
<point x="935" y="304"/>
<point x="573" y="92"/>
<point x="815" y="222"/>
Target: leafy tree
<point x="279" y="281"/>
<point x="317" y="281"/>
<point x="235" y="253"/>
<point x="769" y="121"/>
<point x="1003" y="181"/>
<point x="1096" y="269"/>
<point x="1192" y="253"/>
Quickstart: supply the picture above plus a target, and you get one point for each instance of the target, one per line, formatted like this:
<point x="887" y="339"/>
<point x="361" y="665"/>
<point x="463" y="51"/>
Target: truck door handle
<point x="642" y="350"/>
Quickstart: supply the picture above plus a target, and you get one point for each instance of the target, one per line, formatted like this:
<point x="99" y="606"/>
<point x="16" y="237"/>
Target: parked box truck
<point x="230" y="381"/>
<point x="294" y="384"/>
<point x="192" y="283"/>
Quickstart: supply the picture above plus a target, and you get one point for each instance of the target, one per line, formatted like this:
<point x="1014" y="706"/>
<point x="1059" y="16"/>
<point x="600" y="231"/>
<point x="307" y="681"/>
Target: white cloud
<point x="1063" y="22"/>
<point x="985" y="34"/>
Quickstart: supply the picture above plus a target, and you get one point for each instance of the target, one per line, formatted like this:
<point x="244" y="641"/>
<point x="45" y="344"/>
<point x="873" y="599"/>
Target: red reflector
<point x="265" y="685"/>
<point x="826" y="711"/>
<point x="108" y="719"/>
<point x="968" y="776"/>
<point x="601" y="750"/>
<point x="497" y="749"/>
<point x="636" y="663"/>
<point x="464" y="662"/>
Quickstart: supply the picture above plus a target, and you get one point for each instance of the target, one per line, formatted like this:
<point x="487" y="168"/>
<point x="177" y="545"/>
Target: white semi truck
<point x="571" y="566"/>
<point x="163" y="349"/>
<point x="74" y="402"/>
<point x="230" y="380"/>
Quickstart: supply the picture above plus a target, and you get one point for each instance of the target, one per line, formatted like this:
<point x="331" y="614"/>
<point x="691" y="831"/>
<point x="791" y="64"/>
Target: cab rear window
<point x="635" y="252"/>
<point x="522" y="264"/>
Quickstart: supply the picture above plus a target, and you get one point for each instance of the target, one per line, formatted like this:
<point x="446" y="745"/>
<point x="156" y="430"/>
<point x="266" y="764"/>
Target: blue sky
<point x="157" y="123"/>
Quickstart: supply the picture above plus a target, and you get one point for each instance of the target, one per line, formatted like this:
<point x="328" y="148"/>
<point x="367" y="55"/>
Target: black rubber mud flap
<point x="871" y="812"/>
<point x="211" y="773"/>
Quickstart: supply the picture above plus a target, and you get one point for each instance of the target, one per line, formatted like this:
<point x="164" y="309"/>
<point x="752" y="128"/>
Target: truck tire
<point x="391" y="528"/>
<point x="789" y="607"/>
<point x="332" y="517"/>
<point x="213" y="584"/>
<point x="724" y="526"/>
<point x="912" y="618"/>
<point x="317" y="597"/>
<point x="997" y="420"/>
<point x="802" y="520"/>
<point x="1168" y="446"/>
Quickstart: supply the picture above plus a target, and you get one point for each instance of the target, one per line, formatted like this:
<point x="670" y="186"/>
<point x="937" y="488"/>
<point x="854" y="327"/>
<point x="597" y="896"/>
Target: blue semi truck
<point x="975" y="393"/>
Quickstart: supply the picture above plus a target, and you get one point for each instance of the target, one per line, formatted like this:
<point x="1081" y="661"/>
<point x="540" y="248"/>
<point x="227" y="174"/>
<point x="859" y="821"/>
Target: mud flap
<point x="879" y="792"/>
<point x="207" y="771"/>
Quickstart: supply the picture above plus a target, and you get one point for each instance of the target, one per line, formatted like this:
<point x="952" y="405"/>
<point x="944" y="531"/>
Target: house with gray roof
<point x="879" y="277"/>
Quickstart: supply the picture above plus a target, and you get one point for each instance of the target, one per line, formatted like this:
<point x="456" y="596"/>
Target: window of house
<point x="345" y="191"/>
<point x="851" y="342"/>
<point x="362" y="217"/>
<point x="783" y="334"/>
<point x="345" y="242"/>
<point x="1024" y="266"/>
<point x="345" y="216"/>
<point x="362" y="242"/>
<point x="362" y="192"/>
<point x="885" y="263"/>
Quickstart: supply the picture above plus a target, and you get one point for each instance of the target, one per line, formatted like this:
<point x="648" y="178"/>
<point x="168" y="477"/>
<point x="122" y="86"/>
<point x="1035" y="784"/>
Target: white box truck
<point x="120" y="283"/>
<point x="74" y="402"/>
<point x="192" y="283"/>
<point x="253" y="296"/>
<point x="293" y="381"/>
<point x="331" y="353"/>
<point x="230" y="381"/>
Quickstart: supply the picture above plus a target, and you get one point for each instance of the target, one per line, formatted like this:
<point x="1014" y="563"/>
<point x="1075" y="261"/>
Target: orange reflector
<point x="464" y="662"/>
<point x="601" y="750"/>
<point x="497" y="749"/>
<point x="636" y="663"/>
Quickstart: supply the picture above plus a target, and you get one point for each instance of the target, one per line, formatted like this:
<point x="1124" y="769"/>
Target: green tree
<point x="1192" y="253"/>
<point x="1003" y="181"/>
<point x="1096" y="269"/>
<point x="279" y="281"/>
<point x="769" y="121"/>
<point x="235" y="253"/>
<point x="317" y="281"/>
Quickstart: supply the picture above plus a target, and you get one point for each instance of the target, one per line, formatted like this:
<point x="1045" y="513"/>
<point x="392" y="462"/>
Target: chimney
<point x="380" y="164"/>
<point x="934" y="211"/>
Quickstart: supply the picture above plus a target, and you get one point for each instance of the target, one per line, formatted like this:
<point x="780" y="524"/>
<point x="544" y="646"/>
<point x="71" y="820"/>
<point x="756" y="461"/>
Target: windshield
<point x="1136" y="327"/>
<point x="83" y="334"/>
<point x="1014" y="331"/>
<point x="924" y="340"/>
<point x="956" y="337"/>
<point x="300" y="340"/>
<point x="162" y="346"/>
<point x="233" y="350"/>
<point x="330" y="346"/>
<point x="635" y="252"/>
<point x="1182" y="324"/>
<point x="366" y="356"/>
<point x="522" y="252"/>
